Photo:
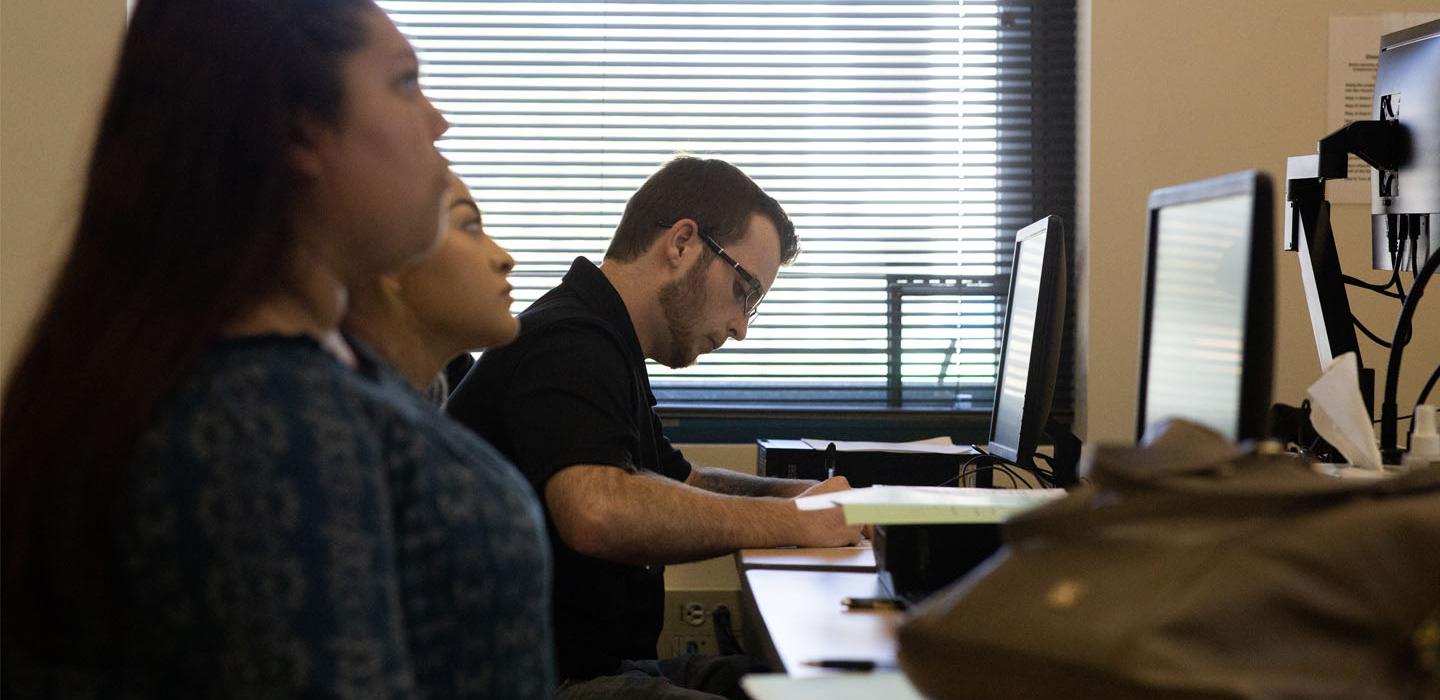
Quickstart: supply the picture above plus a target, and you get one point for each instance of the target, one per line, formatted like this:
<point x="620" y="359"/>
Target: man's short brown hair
<point x="714" y="193"/>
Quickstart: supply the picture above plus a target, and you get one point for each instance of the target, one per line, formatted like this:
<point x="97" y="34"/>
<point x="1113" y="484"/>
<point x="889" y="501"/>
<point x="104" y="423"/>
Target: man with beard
<point x="569" y="402"/>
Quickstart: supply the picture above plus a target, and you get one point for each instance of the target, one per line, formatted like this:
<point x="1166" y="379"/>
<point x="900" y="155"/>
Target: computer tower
<point x="795" y="459"/>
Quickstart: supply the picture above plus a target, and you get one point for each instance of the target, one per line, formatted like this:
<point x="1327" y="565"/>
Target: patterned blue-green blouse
<point x="298" y="528"/>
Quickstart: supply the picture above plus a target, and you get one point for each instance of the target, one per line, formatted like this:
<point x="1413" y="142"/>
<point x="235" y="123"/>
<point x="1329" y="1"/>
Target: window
<point x="907" y="140"/>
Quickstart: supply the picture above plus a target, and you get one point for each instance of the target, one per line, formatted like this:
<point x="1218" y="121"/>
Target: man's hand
<point x="826" y="528"/>
<point x="831" y="485"/>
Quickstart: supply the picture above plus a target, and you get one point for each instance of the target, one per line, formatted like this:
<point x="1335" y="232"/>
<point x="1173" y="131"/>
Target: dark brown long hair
<point x="184" y="223"/>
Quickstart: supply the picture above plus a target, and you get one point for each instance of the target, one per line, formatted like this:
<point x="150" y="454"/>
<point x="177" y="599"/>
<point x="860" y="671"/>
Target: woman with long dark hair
<point x="205" y="490"/>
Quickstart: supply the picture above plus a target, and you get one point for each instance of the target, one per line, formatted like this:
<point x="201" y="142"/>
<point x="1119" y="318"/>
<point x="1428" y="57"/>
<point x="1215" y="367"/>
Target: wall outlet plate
<point x="690" y="623"/>
<point x="687" y="644"/>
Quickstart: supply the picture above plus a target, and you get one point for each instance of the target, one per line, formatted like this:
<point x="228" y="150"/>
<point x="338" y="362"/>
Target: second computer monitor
<point x="1206" y="331"/>
<point x="1030" y="345"/>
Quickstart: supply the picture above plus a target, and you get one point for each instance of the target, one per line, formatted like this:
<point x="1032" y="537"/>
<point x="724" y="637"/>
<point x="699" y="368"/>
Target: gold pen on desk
<point x="873" y="603"/>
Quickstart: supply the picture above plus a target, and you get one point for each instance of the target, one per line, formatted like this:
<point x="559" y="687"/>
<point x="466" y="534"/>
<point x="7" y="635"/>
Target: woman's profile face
<point x="461" y="291"/>
<point x="376" y="173"/>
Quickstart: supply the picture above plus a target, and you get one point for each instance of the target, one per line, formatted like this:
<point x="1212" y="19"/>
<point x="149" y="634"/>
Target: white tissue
<point x="1338" y="412"/>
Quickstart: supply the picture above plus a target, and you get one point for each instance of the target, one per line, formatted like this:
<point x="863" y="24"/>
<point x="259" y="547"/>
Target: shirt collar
<point x="594" y="291"/>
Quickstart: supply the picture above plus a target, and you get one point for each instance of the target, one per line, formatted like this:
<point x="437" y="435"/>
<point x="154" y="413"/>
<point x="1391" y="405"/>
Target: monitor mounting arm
<point x="1383" y="144"/>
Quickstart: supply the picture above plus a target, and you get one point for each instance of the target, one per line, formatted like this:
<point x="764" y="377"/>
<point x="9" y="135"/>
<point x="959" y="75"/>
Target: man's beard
<point x="682" y="302"/>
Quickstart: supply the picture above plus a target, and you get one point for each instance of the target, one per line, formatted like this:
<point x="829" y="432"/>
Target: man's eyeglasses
<point x="754" y="291"/>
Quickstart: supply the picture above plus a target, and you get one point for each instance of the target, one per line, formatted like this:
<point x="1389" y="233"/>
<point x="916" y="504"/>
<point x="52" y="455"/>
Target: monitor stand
<point x="1308" y="232"/>
<point x="1066" y="464"/>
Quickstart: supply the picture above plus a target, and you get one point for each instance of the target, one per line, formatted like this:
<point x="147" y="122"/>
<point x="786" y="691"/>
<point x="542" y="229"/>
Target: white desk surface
<point x="801" y="615"/>
<point x="859" y="558"/>
<point x="881" y="685"/>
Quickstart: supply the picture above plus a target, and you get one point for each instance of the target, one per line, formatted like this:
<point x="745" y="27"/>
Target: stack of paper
<point x="915" y="505"/>
<point x="941" y="446"/>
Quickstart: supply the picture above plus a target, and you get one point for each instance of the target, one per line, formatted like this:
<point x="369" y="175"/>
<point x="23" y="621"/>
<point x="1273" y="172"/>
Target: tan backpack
<point x="1191" y="569"/>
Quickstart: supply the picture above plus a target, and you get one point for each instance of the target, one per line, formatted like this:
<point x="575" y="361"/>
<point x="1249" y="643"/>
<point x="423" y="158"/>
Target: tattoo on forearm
<point x="738" y="484"/>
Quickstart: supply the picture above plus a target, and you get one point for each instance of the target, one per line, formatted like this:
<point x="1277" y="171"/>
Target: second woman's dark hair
<point x="184" y="224"/>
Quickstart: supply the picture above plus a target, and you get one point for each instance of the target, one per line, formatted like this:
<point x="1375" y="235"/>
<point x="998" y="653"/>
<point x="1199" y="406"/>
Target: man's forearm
<point x="645" y="518"/>
<point x="735" y="483"/>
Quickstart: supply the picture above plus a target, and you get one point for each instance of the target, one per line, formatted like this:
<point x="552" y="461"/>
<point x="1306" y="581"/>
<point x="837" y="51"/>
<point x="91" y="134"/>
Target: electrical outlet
<point x="690" y="622"/>
<point x="693" y="613"/>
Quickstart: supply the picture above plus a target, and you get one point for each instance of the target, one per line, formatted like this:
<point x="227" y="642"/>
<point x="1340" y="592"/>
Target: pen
<point x="830" y="461"/>
<point x="873" y="603"/>
<point x="844" y="664"/>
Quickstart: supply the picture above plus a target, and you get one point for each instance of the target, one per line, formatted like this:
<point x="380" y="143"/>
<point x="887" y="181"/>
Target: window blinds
<point x="907" y="140"/>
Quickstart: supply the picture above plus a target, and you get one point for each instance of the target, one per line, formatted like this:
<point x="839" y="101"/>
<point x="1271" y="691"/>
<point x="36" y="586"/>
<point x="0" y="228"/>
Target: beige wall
<point x="1180" y="90"/>
<point x="55" y="64"/>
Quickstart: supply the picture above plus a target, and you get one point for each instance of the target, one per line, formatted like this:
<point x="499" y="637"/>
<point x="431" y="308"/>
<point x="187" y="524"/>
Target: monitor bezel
<point x="1256" y="367"/>
<point x="1043" y="366"/>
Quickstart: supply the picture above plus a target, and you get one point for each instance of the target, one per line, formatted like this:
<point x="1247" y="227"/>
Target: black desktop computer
<point x="914" y="561"/>
<point x="799" y="459"/>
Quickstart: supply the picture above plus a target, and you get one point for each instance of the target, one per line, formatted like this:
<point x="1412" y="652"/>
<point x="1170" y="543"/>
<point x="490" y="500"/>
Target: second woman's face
<point x="461" y="291"/>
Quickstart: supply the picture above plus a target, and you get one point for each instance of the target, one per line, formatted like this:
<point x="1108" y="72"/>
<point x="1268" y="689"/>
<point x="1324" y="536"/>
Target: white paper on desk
<point x="890" y="685"/>
<point x="1338" y="412"/>
<point x="941" y="445"/>
<point x="915" y="505"/>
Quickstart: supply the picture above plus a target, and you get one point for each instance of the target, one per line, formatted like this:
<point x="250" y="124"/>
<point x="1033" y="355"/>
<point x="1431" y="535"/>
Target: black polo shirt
<point x="573" y="389"/>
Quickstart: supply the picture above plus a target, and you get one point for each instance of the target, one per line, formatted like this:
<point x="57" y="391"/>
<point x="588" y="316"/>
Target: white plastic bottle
<point x="1424" y="440"/>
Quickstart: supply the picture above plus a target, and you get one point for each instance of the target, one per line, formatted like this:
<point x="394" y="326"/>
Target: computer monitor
<point x="1206" y="331"/>
<point x="1030" y="344"/>
<point x="1405" y="203"/>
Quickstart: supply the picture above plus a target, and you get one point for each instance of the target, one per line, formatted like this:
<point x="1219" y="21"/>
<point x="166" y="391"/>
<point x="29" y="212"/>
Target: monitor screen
<point x="1206" y="337"/>
<point x="1030" y="341"/>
